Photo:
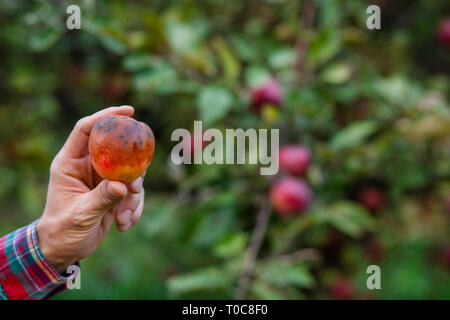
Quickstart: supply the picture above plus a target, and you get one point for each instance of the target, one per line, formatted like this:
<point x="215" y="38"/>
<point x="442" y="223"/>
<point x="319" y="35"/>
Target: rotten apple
<point x="121" y="148"/>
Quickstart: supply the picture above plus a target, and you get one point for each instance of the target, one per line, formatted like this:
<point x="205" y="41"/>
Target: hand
<point x="81" y="206"/>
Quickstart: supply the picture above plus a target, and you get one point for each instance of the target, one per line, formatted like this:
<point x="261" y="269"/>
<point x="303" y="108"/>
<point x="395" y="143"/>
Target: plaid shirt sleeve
<point x="24" y="271"/>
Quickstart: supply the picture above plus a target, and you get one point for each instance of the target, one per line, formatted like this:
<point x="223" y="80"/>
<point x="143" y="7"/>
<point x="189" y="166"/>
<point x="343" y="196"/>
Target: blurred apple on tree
<point x="267" y="94"/>
<point x="444" y="32"/>
<point x="372" y="198"/>
<point x="342" y="289"/>
<point x="290" y="196"/>
<point x="294" y="159"/>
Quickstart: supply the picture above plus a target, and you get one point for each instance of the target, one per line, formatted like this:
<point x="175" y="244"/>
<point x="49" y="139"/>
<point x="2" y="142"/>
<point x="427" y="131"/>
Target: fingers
<point x="106" y="195"/>
<point x="77" y="144"/>
<point x="129" y="211"/>
<point x="136" y="185"/>
<point x="107" y="222"/>
<point x="137" y="214"/>
<point x="126" y="219"/>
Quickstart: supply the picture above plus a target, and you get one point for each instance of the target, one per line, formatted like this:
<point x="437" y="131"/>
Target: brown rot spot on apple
<point x="117" y="151"/>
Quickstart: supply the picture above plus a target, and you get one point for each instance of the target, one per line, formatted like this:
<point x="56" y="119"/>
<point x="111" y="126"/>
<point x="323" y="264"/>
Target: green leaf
<point x="157" y="220"/>
<point x="324" y="47"/>
<point x="232" y="245"/>
<point x="137" y="62"/>
<point x="162" y="79"/>
<point x="282" y="58"/>
<point x="230" y="64"/>
<point x="183" y="37"/>
<point x="264" y="291"/>
<point x="398" y="90"/>
<point x="211" y="228"/>
<point x="284" y="234"/>
<point x="353" y="135"/>
<point x="44" y="38"/>
<point x="214" y="103"/>
<point x="349" y="218"/>
<point x="336" y="73"/>
<point x="330" y="13"/>
<point x="206" y="279"/>
<point x="256" y="76"/>
<point x="283" y="274"/>
<point x="113" y="45"/>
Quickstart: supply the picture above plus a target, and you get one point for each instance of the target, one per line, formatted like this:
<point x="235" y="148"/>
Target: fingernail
<point x="137" y="184"/>
<point x="124" y="216"/>
<point x="127" y="226"/>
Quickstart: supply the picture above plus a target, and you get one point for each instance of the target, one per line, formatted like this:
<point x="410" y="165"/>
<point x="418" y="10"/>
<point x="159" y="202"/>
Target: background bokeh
<point x="372" y="106"/>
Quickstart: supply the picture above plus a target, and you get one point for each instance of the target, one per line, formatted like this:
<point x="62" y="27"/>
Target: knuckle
<point x="80" y="124"/>
<point x="102" y="197"/>
<point x="136" y="200"/>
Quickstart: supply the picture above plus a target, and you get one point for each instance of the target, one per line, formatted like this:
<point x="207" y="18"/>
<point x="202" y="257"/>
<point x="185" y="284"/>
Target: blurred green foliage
<point x="371" y="105"/>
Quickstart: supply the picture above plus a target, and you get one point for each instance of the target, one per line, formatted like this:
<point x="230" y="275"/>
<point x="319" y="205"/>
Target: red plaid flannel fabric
<point x="24" y="271"/>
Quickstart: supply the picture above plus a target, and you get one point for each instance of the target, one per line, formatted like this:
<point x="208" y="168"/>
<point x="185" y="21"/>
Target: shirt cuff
<point x="24" y="271"/>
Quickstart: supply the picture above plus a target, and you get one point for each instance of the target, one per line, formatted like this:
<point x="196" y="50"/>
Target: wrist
<point x="48" y="250"/>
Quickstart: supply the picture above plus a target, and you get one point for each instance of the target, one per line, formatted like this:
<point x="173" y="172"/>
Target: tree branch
<point x="301" y="255"/>
<point x="252" y="251"/>
<point x="306" y="21"/>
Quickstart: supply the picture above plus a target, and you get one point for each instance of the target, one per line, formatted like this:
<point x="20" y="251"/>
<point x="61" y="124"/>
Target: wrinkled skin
<point x="121" y="148"/>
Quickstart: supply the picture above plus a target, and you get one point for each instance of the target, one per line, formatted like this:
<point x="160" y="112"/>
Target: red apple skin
<point x="294" y="159"/>
<point x="290" y="196"/>
<point x="373" y="199"/>
<point x="269" y="93"/>
<point x="121" y="148"/>
<point x="444" y="32"/>
<point x="342" y="289"/>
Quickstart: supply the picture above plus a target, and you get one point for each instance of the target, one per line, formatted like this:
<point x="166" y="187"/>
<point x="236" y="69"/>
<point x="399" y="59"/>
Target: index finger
<point x="77" y="143"/>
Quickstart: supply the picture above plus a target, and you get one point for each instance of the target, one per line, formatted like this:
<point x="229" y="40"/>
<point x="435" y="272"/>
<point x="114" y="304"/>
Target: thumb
<point x="105" y="196"/>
